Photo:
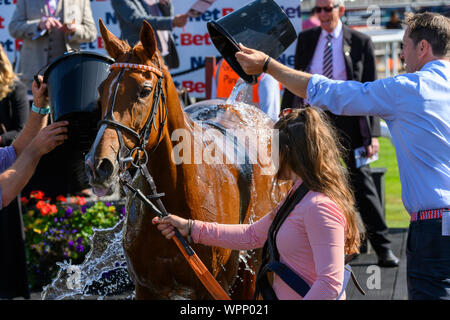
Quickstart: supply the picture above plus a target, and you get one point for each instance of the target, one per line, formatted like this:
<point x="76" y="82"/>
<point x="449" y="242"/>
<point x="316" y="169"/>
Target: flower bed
<point x="60" y="231"/>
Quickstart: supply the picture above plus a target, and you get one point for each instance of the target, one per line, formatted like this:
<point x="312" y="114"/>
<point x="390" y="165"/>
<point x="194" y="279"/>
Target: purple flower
<point x="80" y="248"/>
<point x="123" y="210"/>
<point x="71" y="244"/>
<point x="69" y="211"/>
<point x="108" y="204"/>
<point x="80" y="240"/>
<point x="74" y="231"/>
<point x="83" y="209"/>
<point x="55" y="220"/>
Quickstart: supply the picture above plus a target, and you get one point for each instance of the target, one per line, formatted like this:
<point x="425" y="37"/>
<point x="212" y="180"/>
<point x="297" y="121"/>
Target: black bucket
<point x="260" y="25"/>
<point x="72" y="81"/>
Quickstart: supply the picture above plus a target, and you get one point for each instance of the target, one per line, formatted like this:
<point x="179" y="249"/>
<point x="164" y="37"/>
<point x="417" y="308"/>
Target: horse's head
<point x="130" y="99"/>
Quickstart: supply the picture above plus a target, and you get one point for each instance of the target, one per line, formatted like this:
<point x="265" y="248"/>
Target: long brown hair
<point x="7" y="76"/>
<point x="309" y="146"/>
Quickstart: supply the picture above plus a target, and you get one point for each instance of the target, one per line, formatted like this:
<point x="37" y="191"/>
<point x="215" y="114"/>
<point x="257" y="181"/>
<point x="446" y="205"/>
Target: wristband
<point x="266" y="64"/>
<point x="190" y="223"/>
<point x="43" y="111"/>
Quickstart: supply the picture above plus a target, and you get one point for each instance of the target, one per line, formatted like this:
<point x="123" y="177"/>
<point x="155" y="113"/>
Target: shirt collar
<point x="335" y="33"/>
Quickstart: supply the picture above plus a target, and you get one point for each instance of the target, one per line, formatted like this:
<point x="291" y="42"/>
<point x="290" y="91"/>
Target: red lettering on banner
<point x="191" y="86"/>
<point x="1" y="23"/>
<point x="187" y="39"/>
<point x="100" y="43"/>
<point x="226" y="11"/>
<point x="18" y="44"/>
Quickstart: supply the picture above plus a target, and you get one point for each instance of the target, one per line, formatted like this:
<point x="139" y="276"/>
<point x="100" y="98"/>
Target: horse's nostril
<point x="105" y="169"/>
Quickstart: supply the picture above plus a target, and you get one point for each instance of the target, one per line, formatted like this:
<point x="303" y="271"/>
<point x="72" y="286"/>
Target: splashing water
<point x="106" y="259"/>
<point x="242" y="92"/>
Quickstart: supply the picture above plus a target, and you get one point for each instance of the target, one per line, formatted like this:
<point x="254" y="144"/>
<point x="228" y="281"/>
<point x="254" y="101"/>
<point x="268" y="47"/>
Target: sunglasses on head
<point x="326" y="9"/>
<point x="285" y="112"/>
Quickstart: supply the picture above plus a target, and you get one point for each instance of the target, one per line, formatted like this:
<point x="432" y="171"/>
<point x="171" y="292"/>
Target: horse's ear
<point x="148" y="39"/>
<point x="114" y="46"/>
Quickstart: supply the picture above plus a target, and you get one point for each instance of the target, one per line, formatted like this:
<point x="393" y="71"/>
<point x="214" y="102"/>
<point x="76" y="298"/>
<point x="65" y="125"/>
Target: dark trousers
<point x="13" y="263"/>
<point x="369" y="205"/>
<point x="428" y="261"/>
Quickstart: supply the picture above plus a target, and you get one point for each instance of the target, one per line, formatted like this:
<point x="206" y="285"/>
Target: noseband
<point x="125" y="155"/>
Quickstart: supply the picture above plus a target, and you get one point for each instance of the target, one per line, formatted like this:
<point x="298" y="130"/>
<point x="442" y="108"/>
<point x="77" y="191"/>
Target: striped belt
<point x="427" y="214"/>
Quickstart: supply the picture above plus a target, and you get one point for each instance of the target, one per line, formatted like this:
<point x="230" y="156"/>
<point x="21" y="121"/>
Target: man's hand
<point x="49" y="138"/>
<point x="49" y="23"/>
<point x="68" y="28"/>
<point x="40" y="98"/>
<point x="251" y="61"/>
<point x="180" y="20"/>
<point x="372" y="148"/>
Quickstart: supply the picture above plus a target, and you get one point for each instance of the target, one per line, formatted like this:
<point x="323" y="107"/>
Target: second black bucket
<point x="260" y="25"/>
<point x="72" y="81"/>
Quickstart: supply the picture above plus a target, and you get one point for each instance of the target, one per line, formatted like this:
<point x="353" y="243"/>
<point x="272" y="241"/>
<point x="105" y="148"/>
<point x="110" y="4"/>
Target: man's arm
<point x="129" y="13"/>
<point x="252" y="62"/>
<point x="350" y="98"/>
<point x="20" y="27"/>
<point x="85" y="30"/>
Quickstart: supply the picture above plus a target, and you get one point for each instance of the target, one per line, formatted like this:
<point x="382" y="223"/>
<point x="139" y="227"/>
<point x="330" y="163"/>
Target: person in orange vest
<point x="266" y="92"/>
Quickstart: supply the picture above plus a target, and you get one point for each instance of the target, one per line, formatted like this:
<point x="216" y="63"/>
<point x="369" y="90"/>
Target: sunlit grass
<point x="396" y="215"/>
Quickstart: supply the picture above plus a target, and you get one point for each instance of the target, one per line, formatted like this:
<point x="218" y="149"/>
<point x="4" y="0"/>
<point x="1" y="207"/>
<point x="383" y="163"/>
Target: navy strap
<point x="292" y="279"/>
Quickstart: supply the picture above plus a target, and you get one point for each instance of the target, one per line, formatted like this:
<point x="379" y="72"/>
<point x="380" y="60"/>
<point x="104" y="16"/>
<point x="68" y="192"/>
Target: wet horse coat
<point x="192" y="163"/>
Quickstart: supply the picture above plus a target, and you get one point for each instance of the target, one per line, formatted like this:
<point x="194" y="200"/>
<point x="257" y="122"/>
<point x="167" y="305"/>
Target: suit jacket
<point x="131" y="14"/>
<point x="14" y="111"/>
<point x="360" y="66"/>
<point x="36" y="53"/>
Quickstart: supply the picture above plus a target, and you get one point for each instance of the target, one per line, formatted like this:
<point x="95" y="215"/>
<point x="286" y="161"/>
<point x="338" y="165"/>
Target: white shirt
<point x="269" y="96"/>
<point x="316" y="66"/>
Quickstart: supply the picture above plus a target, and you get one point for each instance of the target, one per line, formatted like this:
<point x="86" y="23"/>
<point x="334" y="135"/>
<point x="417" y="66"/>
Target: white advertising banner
<point x="193" y="41"/>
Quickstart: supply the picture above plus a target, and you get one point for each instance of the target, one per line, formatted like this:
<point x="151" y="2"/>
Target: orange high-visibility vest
<point x="226" y="79"/>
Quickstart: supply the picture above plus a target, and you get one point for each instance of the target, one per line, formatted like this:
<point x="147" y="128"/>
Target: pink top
<point x="310" y="242"/>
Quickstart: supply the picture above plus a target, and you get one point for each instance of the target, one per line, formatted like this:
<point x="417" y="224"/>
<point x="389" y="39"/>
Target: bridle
<point x="125" y="155"/>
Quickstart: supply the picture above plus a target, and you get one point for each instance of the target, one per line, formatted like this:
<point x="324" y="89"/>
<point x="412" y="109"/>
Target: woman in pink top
<point x="318" y="232"/>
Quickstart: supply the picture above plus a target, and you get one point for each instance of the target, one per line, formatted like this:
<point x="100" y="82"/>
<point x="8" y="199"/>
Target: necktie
<point x="328" y="58"/>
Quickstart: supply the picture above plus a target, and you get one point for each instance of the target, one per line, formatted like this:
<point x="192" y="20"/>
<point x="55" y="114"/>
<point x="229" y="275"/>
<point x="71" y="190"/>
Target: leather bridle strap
<point x="124" y="155"/>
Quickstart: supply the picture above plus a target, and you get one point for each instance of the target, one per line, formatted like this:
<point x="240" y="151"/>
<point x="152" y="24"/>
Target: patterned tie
<point x="328" y="58"/>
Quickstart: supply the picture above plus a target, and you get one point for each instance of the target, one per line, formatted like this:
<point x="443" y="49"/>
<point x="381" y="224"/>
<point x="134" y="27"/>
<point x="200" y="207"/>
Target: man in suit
<point x="160" y="15"/>
<point x="48" y="29"/>
<point x="340" y="53"/>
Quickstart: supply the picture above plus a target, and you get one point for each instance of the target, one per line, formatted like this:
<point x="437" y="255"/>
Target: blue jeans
<point x="428" y="261"/>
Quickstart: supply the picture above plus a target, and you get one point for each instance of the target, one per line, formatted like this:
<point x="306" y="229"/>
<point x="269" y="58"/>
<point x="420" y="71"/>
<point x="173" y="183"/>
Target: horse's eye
<point x="145" y="93"/>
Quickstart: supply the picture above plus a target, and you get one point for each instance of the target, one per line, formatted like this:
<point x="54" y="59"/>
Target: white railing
<point x="391" y="39"/>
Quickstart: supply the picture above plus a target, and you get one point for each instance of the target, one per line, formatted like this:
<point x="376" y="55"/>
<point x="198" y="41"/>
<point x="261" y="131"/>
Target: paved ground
<point x="378" y="283"/>
<point x="381" y="283"/>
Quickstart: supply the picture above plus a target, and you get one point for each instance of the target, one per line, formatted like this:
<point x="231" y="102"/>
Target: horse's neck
<point x="165" y="172"/>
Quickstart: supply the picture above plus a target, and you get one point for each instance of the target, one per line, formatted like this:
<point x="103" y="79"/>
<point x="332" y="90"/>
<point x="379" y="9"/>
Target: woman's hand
<point x="40" y="98"/>
<point x="167" y="224"/>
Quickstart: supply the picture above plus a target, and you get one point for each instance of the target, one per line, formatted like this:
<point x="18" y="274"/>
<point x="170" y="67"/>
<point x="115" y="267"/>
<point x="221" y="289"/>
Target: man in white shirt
<point x="340" y="53"/>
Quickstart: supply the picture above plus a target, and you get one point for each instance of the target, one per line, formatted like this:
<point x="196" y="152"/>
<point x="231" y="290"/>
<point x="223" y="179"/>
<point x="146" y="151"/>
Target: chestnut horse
<point x="198" y="189"/>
